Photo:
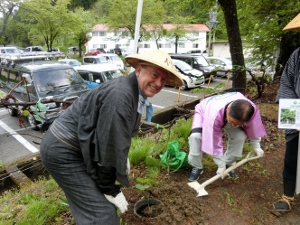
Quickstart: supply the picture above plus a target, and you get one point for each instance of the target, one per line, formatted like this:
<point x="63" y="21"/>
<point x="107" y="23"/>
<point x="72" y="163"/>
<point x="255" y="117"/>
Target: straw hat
<point x="158" y="59"/>
<point x="294" y="24"/>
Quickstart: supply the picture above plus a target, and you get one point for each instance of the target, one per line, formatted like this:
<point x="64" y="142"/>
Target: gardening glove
<point x="128" y="167"/>
<point x="259" y="152"/>
<point x="119" y="201"/>
<point x="220" y="171"/>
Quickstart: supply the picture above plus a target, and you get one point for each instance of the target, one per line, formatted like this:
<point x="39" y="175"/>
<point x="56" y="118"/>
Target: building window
<point x="195" y="45"/>
<point x="195" y="34"/>
<point x="181" y="45"/>
<point x="146" y="45"/>
<point x="98" y="33"/>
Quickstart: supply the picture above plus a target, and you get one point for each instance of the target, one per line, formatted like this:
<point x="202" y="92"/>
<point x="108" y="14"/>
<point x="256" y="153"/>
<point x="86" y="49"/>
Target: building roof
<point x="168" y="26"/>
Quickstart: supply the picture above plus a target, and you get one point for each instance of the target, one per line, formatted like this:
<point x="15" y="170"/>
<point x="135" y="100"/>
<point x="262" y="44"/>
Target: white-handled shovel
<point x="200" y="187"/>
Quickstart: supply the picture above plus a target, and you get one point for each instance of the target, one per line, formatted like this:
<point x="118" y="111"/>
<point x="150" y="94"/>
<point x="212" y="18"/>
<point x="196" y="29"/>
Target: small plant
<point x="229" y="199"/>
<point x="2" y="165"/>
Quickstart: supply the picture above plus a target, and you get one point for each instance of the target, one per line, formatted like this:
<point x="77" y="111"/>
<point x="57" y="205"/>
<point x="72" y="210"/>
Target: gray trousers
<point x="88" y="205"/>
<point x="236" y="141"/>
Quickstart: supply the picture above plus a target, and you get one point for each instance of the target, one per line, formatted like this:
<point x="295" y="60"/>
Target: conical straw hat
<point x="160" y="59"/>
<point x="294" y="24"/>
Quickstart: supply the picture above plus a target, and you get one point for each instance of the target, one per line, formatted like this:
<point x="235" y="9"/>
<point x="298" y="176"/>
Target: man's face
<point x="151" y="79"/>
<point x="231" y="120"/>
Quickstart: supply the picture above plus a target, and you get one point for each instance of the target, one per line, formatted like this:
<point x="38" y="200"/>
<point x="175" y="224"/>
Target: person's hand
<point x="220" y="171"/>
<point x="128" y="167"/>
<point x="259" y="152"/>
<point x="119" y="201"/>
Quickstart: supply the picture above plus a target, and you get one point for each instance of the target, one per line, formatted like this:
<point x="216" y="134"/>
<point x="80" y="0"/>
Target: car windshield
<point x="112" y="74"/>
<point x="74" y="63"/>
<point x="201" y="61"/>
<point x="182" y="65"/>
<point x="48" y="81"/>
<point x="12" y="50"/>
<point x="116" y="58"/>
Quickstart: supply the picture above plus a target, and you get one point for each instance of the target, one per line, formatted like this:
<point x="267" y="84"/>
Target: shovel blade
<point x="195" y="185"/>
<point x="199" y="188"/>
<point x="201" y="192"/>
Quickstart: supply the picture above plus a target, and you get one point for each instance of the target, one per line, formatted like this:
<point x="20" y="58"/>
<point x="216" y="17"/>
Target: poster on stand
<point x="289" y="114"/>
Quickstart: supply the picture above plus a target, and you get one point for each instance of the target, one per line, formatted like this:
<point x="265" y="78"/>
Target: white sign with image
<point x="289" y="114"/>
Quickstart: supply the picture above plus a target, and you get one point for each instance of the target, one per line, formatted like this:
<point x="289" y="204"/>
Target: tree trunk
<point x="235" y="43"/>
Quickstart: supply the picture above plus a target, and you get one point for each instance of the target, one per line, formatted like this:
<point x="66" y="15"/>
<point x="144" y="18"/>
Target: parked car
<point x="197" y="62"/>
<point x="104" y="58"/>
<point x="57" y="53"/>
<point x="73" y="51"/>
<point x="71" y="62"/>
<point x="197" y="52"/>
<point x="33" y="50"/>
<point x="9" y="50"/>
<point x="97" y="74"/>
<point x="45" y="80"/>
<point x="221" y="65"/>
<point x="95" y="51"/>
<point x="192" y="78"/>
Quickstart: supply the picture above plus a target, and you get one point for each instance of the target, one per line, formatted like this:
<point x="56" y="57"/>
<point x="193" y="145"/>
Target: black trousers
<point x="290" y="167"/>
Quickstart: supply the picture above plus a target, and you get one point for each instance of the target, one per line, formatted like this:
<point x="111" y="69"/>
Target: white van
<point x="96" y="74"/>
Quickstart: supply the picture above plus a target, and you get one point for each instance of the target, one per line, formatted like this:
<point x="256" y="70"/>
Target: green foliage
<point x="230" y="201"/>
<point x="42" y="206"/>
<point x="45" y="24"/>
<point x="2" y="165"/>
<point x="126" y="17"/>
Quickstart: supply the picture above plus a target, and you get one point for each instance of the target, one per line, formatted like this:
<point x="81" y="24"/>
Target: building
<point x="103" y="37"/>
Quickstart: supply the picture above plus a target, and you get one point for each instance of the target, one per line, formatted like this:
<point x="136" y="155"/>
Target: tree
<point x="126" y="17"/>
<point x="7" y="9"/>
<point x="266" y="19"/>
<point x="85" y="4"/>
<point x="48" y="19"/>
<point x="84" y="25"/>
<point x="236" y="49"/>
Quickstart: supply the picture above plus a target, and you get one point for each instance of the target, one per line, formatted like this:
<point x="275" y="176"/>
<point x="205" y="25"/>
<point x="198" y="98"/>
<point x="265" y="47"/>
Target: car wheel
<point x="12" y="111"/>
<point x="184" y="86"/>
<point x="32" y="121"/>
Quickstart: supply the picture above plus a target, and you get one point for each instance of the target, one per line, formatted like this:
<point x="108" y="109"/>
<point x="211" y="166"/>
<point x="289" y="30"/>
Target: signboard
<point x="289" y="118"/>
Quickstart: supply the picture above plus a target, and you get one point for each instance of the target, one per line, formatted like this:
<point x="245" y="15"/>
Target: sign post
<point x="289" y="118"/>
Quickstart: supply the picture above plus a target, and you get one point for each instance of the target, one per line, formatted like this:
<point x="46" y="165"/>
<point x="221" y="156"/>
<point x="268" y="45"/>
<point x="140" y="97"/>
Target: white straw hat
<point x="160" y="59"/>
<point x="294" y="24"/>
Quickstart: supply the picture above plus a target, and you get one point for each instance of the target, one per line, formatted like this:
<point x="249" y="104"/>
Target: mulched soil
<point x="246" y="200"/>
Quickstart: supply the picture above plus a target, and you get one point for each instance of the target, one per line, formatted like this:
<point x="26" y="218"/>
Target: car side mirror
<point x="98" y="81"/>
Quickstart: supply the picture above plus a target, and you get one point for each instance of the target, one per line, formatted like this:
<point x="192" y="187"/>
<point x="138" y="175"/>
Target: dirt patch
<point x="243" y="201"/>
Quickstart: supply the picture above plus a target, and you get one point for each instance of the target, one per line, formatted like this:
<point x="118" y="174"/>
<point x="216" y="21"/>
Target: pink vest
<point x="209" y="115"/>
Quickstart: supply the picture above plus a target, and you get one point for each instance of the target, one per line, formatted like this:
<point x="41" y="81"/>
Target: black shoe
<point x="232" y="174"/>
<point x="195" y="174"/>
